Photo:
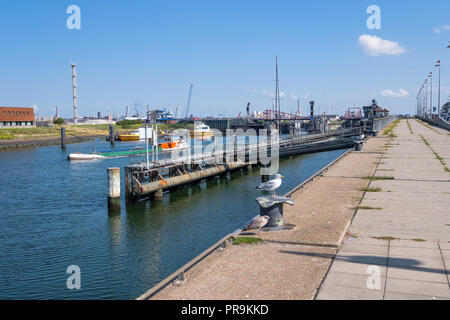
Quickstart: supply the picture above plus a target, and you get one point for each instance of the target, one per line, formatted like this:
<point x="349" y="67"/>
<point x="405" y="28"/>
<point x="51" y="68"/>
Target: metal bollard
<point x="358" y="146"/>
<point x="272" y="206"/>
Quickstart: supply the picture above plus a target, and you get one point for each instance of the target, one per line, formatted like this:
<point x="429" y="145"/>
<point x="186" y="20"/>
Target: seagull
<point x="271" y="185"/>
<point x="258" y="223"/>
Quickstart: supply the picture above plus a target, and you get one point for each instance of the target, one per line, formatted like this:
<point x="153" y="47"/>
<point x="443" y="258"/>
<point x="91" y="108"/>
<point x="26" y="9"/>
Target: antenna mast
<point x="189" y="101"/>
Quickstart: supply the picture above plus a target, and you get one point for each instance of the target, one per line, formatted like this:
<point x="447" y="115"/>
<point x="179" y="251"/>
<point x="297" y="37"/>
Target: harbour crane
<point x="188" y="102"/>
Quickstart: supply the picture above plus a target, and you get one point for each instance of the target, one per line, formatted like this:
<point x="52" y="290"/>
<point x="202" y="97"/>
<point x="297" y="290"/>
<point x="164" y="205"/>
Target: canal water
<point x="53" y="214"/>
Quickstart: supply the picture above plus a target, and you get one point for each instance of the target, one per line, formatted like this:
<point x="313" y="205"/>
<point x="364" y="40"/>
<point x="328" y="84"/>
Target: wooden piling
<point x="111" y="134"/>
<point x="63" y="137"/>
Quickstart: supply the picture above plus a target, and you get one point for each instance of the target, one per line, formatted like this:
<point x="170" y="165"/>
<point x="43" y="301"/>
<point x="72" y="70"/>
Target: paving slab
<point x="426" y="288"/>
<point x="334" y="292"/>
<point x="419" y="274"/>
<point x="408" y="296"/>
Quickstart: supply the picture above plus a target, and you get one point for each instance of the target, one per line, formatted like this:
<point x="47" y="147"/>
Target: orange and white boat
<point x="173" y="144"/>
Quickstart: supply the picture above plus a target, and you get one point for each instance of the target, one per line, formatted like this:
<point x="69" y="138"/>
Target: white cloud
<point x="375" y="46"/>
<point x="401" y="93"/>
<point x="293" y="96"/>
<point x="272" y="95"/>
<point x="267" y="93"/>
<point x="438" y="30"/>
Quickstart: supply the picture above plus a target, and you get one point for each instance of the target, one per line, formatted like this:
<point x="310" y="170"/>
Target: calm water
<point x="54" y="214"/>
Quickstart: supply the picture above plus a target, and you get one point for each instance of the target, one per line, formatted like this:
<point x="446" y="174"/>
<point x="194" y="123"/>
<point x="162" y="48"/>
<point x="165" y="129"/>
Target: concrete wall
<point x="441" y="123"/>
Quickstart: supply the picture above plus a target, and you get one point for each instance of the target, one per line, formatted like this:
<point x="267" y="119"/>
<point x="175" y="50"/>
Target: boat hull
<point x="128" y="137"/>
<point x="84" y="156"/>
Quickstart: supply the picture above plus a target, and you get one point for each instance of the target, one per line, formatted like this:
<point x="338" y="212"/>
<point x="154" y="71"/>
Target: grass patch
<point x="426" y="125"/>
<point x="370" y="189"/>
<point x="246" y="240"/>
<point x="441" y="160"/>
<point x="409" y="126"/>
<point x="94" y="129"/>
<point x="374" y="178"/>
<point x="386" y="238"/>
<point x="419" y="240"/>
<point x="385" y="169"/>
<point x="390" y="128"/>
<point x="367" y="208"/>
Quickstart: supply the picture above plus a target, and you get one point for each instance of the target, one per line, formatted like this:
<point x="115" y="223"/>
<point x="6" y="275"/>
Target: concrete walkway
<point x="401" y="250"/>
<point x="289" y="264"/>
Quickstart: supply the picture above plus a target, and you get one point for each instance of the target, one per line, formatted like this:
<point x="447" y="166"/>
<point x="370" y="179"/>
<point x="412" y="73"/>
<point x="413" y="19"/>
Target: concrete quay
<point x="408" y="239"/>
<point x="335" y="236"/>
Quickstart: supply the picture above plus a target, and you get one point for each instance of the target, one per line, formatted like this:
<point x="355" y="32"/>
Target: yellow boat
<point x="131" y="136"/>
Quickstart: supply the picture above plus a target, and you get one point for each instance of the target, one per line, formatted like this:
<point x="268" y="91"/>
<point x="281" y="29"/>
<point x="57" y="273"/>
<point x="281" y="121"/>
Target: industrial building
<point x="16" y="117"/>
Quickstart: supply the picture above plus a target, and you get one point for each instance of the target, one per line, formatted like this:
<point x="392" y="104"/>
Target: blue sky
<point x="148" y="52"/>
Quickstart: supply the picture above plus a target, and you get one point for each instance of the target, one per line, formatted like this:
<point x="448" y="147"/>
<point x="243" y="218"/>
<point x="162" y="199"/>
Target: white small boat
<point x="202" y="131"/>
<point x="84" y="156"/>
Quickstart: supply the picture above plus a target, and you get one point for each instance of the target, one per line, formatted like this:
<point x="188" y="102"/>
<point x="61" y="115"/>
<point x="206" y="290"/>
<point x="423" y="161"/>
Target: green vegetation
<point x="246" y="240"/>
<point x="386" y="238"/>
<point x="370" y="189"/>
<point x="441" y="160"/>
<point x="58" y="121"/>
<point x="367" y="208"/>
<point x="419" y="240"/>
<point x="390" y="128"/>
<point x="409" y="126"/>
<point x="385" y="169"/>
<point x="373" y="178"/>
<point x="84" y="129"/>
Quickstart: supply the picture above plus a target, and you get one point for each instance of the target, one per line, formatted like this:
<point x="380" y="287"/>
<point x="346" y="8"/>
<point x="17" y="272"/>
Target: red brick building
<point x="16" y="117"/>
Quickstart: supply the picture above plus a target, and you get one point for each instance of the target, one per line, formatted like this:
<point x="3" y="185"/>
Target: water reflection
<point x="54" y="213"/>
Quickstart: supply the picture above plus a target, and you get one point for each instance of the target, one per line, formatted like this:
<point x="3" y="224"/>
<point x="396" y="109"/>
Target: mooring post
<point x="113" y="188"/>
<point x="272" y="206"/>
<point x="63" y="137"/>
<point x="111" y="134"/>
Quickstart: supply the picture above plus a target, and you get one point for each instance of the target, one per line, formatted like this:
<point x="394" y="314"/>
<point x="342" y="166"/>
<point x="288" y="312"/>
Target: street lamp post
<point x="431" y="94"/>
<point x="426" y="97"/>
<point x="438" y="65"/>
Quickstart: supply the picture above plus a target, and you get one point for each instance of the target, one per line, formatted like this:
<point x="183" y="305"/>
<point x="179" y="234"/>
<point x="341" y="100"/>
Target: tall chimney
<point x="74" y="92"/>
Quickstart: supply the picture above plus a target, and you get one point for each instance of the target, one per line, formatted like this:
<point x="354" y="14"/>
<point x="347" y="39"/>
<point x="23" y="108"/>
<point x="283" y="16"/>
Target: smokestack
<point x="248" y="110"/>
<point x="74" y="93"/>
<point x="311" y="103"/>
